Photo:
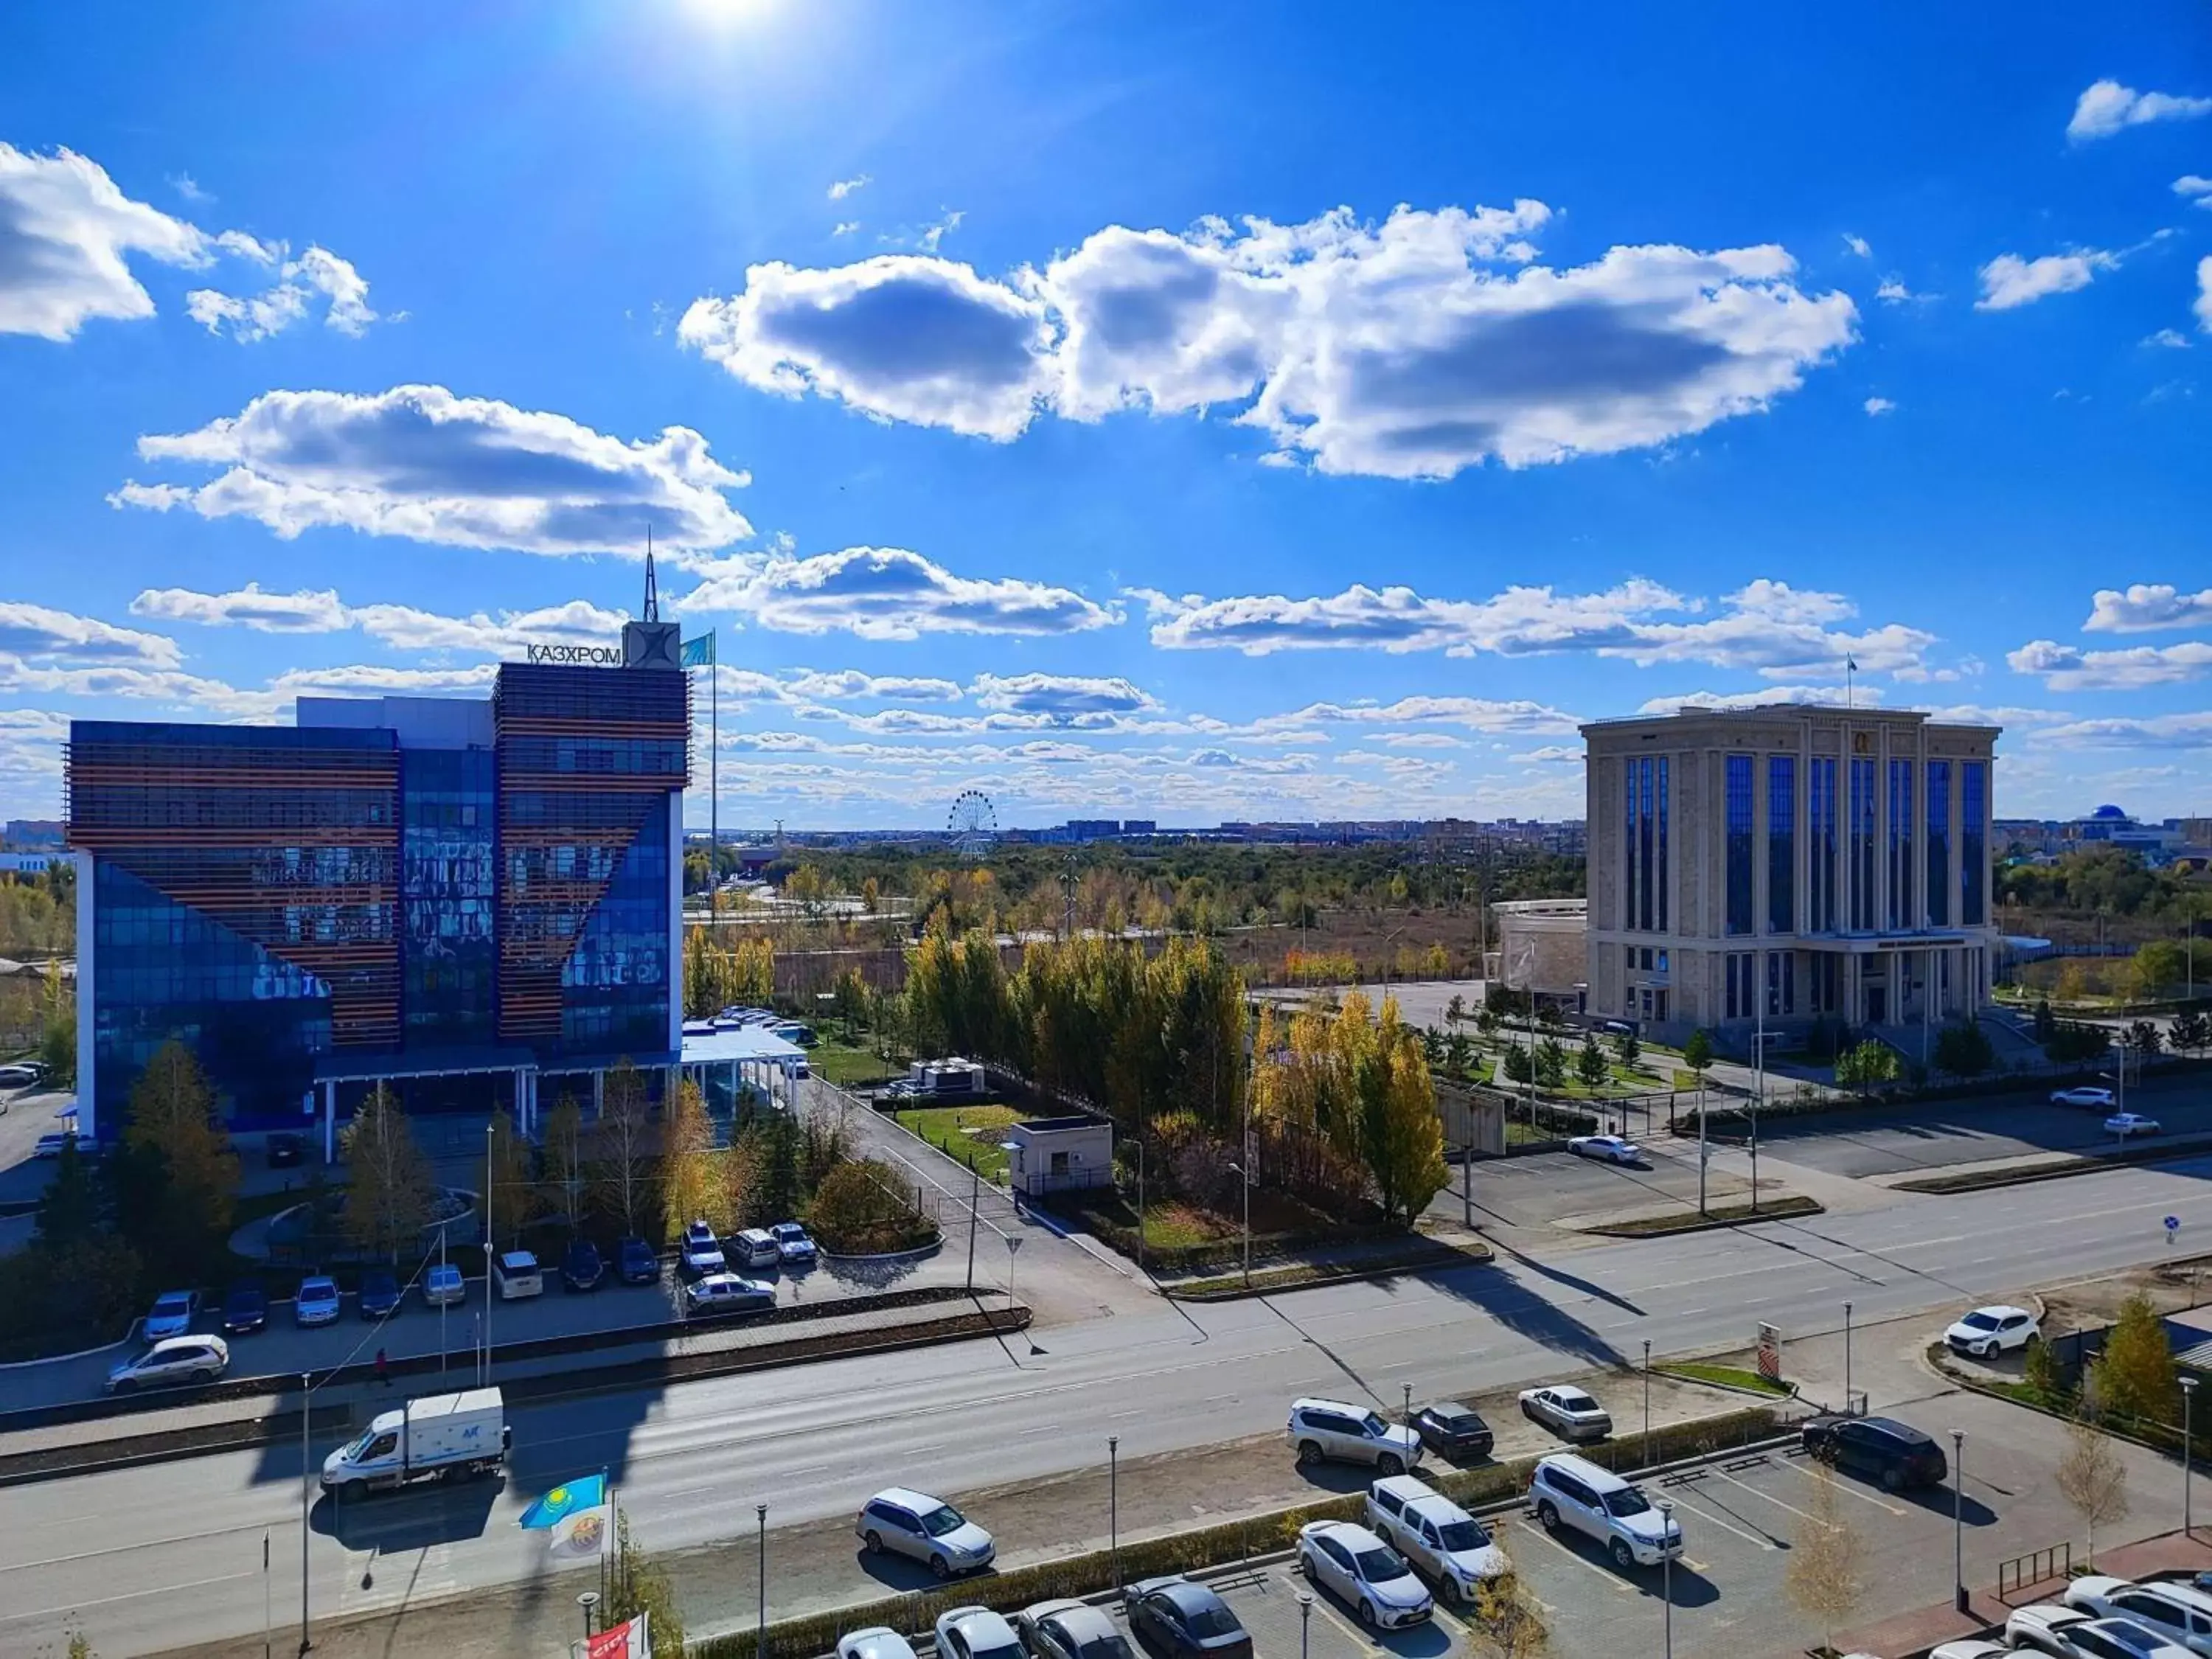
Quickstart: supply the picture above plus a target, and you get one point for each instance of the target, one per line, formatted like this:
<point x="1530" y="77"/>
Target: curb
<point x="917" y="1255"/>
<point x="1703" y="1224"/>
<point x="2086" y="1163"/>
<point x="1455" y="1258"/>
<point x="82" y="1353"/>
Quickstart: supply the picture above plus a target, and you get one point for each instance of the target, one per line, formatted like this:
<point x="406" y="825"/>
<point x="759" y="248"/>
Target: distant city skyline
<point x="1200" y="415"/>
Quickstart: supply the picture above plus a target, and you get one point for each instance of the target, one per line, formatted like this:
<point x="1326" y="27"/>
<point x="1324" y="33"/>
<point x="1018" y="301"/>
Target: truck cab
<point x="444" y="1435"/>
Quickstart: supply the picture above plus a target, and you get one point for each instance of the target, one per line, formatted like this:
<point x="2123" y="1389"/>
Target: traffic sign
<point x="2173" y="1224"/>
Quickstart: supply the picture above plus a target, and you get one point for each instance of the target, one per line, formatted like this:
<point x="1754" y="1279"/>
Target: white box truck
<point x="438" y="1437"/>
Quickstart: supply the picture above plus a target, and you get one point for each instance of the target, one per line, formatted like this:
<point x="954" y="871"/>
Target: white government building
<point x="1826" y="862"/>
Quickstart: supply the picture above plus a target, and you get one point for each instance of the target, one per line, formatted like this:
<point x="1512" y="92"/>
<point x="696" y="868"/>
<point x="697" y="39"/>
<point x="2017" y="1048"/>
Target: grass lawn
<point x="1733" y="1376"/>
<point x="970" y="1133"/>
<point x="1173" y="1223"/>
<point x="850" y="1065"/>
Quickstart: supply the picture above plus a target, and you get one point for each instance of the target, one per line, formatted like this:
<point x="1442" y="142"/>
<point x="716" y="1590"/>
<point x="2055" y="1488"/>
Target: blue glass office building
<point x="458" y="898"/>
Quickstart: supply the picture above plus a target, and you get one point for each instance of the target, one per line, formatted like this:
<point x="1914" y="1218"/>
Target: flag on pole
<point x="565" y="1499"/>
<point x="1850" y="663"/>
<point x="581" y="1535"/>
<point x="700" y="652"/>
<point x="626" y="1640"/>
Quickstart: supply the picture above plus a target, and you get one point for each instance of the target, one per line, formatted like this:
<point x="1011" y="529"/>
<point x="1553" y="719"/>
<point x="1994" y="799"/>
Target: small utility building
<point x="1055" y="1154"/>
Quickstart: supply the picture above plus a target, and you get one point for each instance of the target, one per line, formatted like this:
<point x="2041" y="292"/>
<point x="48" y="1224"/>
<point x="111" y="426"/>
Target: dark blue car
<point x="638" y="1262"/>
<point x="245" y="1308"/>
<point x="379" y="1293"/>
<point x="581" y="1268"/>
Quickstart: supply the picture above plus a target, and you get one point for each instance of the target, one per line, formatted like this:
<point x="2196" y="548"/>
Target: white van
<point x="518" y="1275"/>
<point x="1573" y="1491"/>
<point x="434" y="1437"/>
<point x="756" y="1247"/>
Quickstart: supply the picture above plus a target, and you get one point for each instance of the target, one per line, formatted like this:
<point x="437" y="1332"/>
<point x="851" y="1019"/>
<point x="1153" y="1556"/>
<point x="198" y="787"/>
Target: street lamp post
<point x="485" y="1378"/>
<point x="1667" y="1573"/>
<point x="1409" y="1407"/>
<point x="760" y="1641"/>
<point x="1244" y="1180"/>
<point x="1959" y="1518"/>
<point x="588" y="1600"/>
<point x="1847" y="1357"/>
<point x="306" y="1502"/>
<point x="2188" y="1447"/>
<point x="1140" y="1203"/>
<point x="975" y="1202"/>
<point x="1114" y="1503"/>
<point x="1645" y="1450"/>
<point x="1305" y="1622"/>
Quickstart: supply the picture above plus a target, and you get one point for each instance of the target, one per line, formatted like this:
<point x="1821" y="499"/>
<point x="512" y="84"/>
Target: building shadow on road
<point x="393" y="1523"/>
<point x="1523" y="1308"/>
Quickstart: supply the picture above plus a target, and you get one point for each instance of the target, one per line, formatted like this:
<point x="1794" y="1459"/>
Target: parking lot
<point x="1739" y="1517"/>
<point x="1543" y="1188"/>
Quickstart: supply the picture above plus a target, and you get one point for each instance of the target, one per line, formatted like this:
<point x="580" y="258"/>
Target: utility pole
<point x="306" y="1501"/>
<point x="975" y="1199"/>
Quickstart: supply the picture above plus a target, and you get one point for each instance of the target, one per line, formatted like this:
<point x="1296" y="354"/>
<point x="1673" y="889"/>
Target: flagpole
<point x="714" y="779"/>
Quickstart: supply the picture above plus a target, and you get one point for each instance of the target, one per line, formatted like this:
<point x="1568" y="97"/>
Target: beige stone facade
<point x="1542" y="945"/>
<point x="1788" y="864"/>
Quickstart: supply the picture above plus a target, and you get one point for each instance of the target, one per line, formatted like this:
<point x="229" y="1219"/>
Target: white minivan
<point x="1573" y="1491"/>
<point x="518" y="1275"/>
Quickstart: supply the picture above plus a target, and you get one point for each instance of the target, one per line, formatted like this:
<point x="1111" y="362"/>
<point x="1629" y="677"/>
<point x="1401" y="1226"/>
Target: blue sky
<point x="1153" y="410"/>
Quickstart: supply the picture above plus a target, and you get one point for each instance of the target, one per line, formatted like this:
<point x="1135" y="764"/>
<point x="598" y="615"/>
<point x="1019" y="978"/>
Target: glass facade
<point x="1860" y="884"/>
<point x="1820" y="859"/>
<point x="449" y="958"/>
<point x="1938" y="833"/>
<point x="1973" y="842"/>
<point x="614" y="987"/>
<point x="1899" y="908"/>
<point x="1741" y="917"/>
<point x="1781" y="843"/>
<point x="1645" y="884"/>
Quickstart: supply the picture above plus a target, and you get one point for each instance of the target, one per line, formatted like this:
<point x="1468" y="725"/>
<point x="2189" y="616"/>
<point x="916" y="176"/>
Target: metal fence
<point x="2036" y="1567"/>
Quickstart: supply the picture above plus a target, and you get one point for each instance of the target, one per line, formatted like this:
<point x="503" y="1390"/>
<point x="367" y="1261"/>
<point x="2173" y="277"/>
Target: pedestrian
<point x="383" y="1368"/>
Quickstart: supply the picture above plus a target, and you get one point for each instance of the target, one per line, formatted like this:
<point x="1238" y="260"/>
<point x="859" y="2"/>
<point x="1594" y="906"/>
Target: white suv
<point x="1574" y="1492"/>
<point x="1437" y="1535"/>
<point x="1322" y="1429"/>
<point x="2182" y="1613"/>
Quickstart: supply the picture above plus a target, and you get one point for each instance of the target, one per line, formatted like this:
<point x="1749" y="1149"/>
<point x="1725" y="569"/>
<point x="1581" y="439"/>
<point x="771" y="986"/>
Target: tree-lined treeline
<point x="38" y="914"/>
<point x="2108" y="881"/>
<point x="723" y="970"/>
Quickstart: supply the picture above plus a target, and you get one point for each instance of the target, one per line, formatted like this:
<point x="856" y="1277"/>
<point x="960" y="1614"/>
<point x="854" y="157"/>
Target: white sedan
<point x="1611" y="1148"/>
<point x="1569" y="1412"/>
<point x="2124" y="1124"/>
<point x="1992" y="1330"/>
<point x="2095" y="1099"/>
<point x="1372" y="1577"/>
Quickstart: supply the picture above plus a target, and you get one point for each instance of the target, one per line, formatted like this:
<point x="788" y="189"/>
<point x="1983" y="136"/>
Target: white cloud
<point x="1421" y="740"/>
<point x="844" y="226"/>
<point x="844" y="188"/>
<point x="2108" y="107"/>
<point x="418" y="462"/>
<point x="2170" y="338"/>
<point x="1879" y="407"/>
<point x="1474" y="713"/>
<point x="2204" y="305"/>
<point x="1891" y="291"/>
<point x="2009" y="281"/>
<point x="2193" y="188"/>
<point x="2192" y="731"/>
<point x="1858" y="245"/>
<point x="404" y="628"/>
<point x="307" y="612"/>
<point x="256" y="317"/>
<point x="61" y="637"/>
<point x="375" y="679"/>
<point x="188" y="187"/>
<point x="1062" y="698"/>
<point x="849" y="683"/>
<point x="887" y="593"/>
<point x="65" y="229"/>
<point x="2146" y="607"/>
<point x="1412" y="349"/>
<point x="2067" y="668"/>
<point x="1551" y="754"/>
<point x="897" y="336"/>
<point x="1766" y="698"/>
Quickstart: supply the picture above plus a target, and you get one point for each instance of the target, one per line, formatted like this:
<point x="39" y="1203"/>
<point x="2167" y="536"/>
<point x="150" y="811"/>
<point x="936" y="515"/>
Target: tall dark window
<point x="1628" y="844"/>
<point x="1661" y="804"/>
<point x="1781" y="844"/>
<point x="1939" y="844"/>
<point x="1646" y="847"/>
<point x="1973" y="842"/>
<point x="1901" y="911"/>
<point x="1739" y="911"/>
<point x="1862" y="847"/>
<point x="1643" y="844"/>
<point x="1820" y="859"/>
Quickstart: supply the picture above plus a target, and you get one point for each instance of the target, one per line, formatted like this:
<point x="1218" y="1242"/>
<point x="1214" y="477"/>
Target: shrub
<point x="862" y="1209"/>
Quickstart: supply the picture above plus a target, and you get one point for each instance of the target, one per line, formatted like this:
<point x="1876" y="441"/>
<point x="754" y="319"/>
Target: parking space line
<point x="1846" y="1487"/>
<point x="1325" y="1604"/>
<point x="1745" y="1486"/>
<point x="1682" y="1500"/>
<point x="1613" y="1578"/>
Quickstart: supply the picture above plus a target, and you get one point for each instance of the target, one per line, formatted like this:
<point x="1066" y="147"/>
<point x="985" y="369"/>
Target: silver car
<point x="1320" y="1428"/>
<point x="1448" y="1546"/>
<point x="1071" y="1630"/>
<point x="976" y="1633"/>
<point x="1367" y="1573"/>
<point x="172" y="1360"/>
<point x="1569" y="1412"/>
<point x="924" y="1528"/>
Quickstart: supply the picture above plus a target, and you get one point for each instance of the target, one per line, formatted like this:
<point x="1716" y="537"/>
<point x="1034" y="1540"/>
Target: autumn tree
<point x="691" y="1182"/>
<point x="1826" y="1576"/>
<point x="776" y="1196"/>
<point x="2135" y="1374"/>
<point x="512" y="1198"/>
<point x="638" y="1583"/>
<point x="1509" y="1620"/>
<point x="173" y="1129"/>
<point x="2092" y="1479"/>
<point x="622" y="1148"/>
<point x="1402" y="1135"/>
<point x="565" y="1149"/>
<point x="392" y="1195"/>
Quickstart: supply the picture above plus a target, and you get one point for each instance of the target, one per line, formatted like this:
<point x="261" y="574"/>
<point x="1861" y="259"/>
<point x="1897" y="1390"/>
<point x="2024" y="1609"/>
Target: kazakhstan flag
<point x="700" y="652"/>
<point x="587" y="1494"/>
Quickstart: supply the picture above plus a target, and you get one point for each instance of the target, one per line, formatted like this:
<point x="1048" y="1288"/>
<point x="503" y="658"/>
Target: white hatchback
<point x="1993" y="1330"/>
<point x="2092" y="1099"/>
<point x="1372" y="1578"/>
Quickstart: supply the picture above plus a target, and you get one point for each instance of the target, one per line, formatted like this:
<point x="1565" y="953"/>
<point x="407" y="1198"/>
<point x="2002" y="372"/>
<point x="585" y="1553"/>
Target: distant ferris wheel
<point x="972" y="825"/>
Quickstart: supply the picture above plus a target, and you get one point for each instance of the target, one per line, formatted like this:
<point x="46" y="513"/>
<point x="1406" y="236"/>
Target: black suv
<point x="640" y="1262"/>
<point x="1452" y="1428"/>
<point x="1896" y="1454"/>
<point x="581" y="1268"/>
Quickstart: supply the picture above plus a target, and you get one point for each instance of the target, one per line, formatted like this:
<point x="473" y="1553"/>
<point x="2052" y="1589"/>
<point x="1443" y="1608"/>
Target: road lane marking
<point x="1325" y="1604"/>
<point x="1612" y="1578"/>
<point x="130" y="1596"/>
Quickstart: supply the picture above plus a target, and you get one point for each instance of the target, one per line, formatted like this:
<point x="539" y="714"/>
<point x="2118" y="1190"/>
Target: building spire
<point x="652" y="586"/>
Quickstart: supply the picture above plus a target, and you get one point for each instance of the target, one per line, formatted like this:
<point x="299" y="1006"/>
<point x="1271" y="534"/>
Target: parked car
<point x="1970" y="1647"/>
<point x="172" y="1314"/>
<point x="2099" y="1100"/>
<point x="793" y="1245"/>
<point x="2124" y="1124"/>
<point x="876" y="1642"/>
<point x="1070" y="1630"/>
<point x="1454" y="1430"/>
<point x="51" y="1146"/>
<point x="443" y="1286"/>
<point x="172" y="1360"/>
<point x="1371" y="1578"/>
<point x="703" y="1251"/>
<point x="1896" y="1454"/>
<point x="1610" y="1149"/>
<point x="1992" y="1330"/>
<point x="756" y="1247"/>
<point x="21" y="1075"/>
<point x="726" y="1293"/>
<point x="2180" y="1613"/>
<point x="637" y="1262"/>
<point x="2041" y="1627"/>
<point x="1572" y="1492"/>
<point x="379" y="1293"/>
<point x="284" y="1151"/>
<point x="1328" y="1429"/>
<point x="519" y="1275"/>
<point x="2119" y="1638"/>
<point x="1446" y="1544"/>
<point x="1569" y="1412"/>
<point x="245" y="1308"/>
<point x="581" y="1269"/>
<point x="316" y="1302"/>
<point x="1179" y="1619"/>
<point x="926" y="1529"/>
<point x="976" y="1633"/>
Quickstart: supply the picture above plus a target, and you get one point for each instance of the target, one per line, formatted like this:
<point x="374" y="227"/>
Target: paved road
<point x="1537" y="1188"/>
<point x="692" y="1461"/>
